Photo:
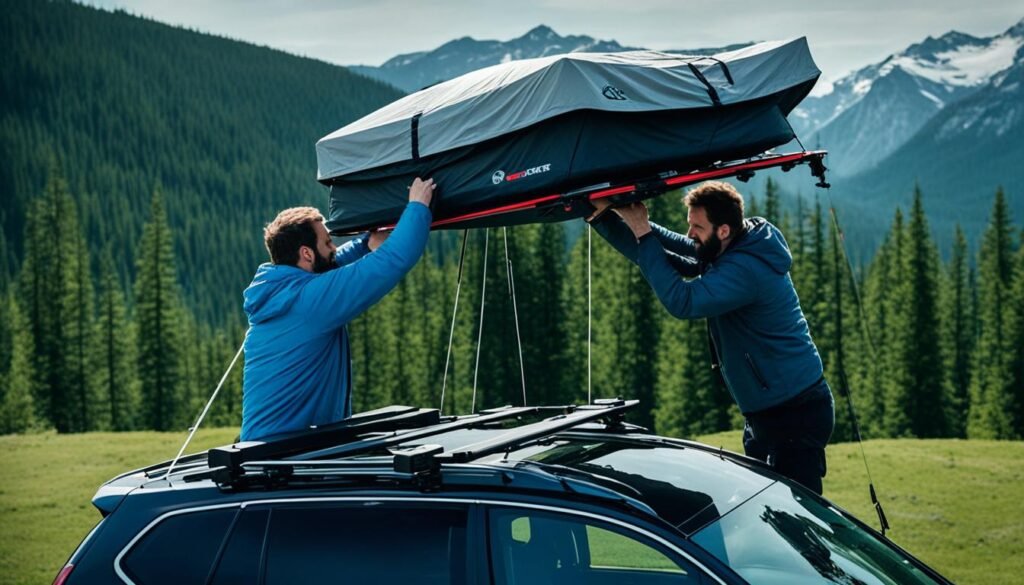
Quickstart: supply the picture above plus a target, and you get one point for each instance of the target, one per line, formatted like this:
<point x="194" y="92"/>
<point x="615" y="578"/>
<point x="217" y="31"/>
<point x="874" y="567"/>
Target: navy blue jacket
<point x="758" y="330"/>
<point x="297" y="357"/>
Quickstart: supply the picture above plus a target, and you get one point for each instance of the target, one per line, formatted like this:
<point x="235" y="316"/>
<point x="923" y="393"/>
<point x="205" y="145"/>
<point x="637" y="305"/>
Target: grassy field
<point x="955" y="504"/>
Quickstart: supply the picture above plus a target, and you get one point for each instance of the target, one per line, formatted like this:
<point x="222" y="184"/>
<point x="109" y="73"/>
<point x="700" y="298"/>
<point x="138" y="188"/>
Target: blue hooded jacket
<point x="758" y="330"/>
<point x="297" y="358"/>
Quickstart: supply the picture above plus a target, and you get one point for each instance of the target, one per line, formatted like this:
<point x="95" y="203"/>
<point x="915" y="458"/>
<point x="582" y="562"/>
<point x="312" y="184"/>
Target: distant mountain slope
<point x="960" y="156"/>
<point x="870" y="113"/>
<point x="414" y="71"/>
<point x="125" y="103"/>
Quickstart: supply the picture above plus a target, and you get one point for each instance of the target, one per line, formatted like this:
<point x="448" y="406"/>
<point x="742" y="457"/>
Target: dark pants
<point x="791" y="437"/>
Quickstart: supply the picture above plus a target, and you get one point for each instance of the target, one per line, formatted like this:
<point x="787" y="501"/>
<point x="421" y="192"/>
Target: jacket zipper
<point x="757" y="373"/>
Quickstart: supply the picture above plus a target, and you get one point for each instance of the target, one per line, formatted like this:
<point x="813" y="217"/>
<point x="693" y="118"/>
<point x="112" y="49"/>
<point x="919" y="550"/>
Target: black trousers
<point x="791" y="437"/>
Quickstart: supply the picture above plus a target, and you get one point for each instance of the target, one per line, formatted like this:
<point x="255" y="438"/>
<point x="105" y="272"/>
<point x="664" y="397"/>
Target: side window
<point x="368" y="543"/>
<point x="538" y="548"/>
<point x="180" y="549"/>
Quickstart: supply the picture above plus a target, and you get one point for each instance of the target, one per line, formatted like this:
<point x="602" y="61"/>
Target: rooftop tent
<point x="506" y="134"/>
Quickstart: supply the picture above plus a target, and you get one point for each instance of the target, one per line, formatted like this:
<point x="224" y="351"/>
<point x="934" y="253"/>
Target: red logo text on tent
<point x="500" y="176"/>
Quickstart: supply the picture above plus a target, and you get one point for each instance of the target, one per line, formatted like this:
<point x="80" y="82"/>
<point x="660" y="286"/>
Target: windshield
<point x="785" y="536"/>
<point x="686" y="487"/>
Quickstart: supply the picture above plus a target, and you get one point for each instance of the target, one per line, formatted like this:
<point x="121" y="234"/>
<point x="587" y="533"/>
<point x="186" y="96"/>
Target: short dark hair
<point x="291" y="230"/>
<point x="721" y="201"/>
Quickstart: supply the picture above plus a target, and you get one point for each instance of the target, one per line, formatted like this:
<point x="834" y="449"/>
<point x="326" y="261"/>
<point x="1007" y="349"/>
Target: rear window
<point x="367" y="543"/>
<point x="180" y="549"/>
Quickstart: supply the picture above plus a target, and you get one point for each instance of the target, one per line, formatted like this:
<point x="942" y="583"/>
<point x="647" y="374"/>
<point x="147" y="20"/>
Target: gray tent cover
<point x="520" y="129"/>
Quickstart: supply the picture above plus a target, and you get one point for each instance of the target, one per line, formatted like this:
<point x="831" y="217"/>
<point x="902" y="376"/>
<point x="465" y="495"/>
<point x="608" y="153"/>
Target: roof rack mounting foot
<point x="818" y="169"/>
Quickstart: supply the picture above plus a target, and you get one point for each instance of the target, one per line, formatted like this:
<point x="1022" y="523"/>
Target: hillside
<point x="124" y="104"/>
<point x="954" y="504"/>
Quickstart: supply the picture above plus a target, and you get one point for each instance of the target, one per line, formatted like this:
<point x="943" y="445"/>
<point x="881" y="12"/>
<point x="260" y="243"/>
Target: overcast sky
<point x="843" y="36"/>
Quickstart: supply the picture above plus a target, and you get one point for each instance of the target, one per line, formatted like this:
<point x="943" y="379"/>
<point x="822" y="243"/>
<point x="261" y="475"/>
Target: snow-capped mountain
<point x="870" y="113"/>
<point x="414" y="71"/>
<point x="959" y="156"/>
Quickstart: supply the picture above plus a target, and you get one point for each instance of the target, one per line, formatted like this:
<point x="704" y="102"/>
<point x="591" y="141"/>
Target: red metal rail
<point x="724" y="170"/>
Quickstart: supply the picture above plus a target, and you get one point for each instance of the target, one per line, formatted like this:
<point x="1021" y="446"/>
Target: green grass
<point x="957" y="505"/>
<point x="46" y="486"/>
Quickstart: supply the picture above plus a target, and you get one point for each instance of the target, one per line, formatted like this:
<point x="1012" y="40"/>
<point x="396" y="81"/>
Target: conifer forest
<point x="140" y="163"/>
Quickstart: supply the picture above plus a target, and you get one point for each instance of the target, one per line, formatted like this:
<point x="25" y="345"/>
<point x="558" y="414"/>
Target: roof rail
<point x="231" y="465"/>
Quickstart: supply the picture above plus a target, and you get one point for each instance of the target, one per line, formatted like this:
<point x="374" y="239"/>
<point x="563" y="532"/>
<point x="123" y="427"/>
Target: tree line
<point x="226" y="128"/>
<point x="925" y="348"/>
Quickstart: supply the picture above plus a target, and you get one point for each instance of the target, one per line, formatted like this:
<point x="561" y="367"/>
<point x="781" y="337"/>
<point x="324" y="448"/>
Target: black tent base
<point x="562" y="155"/>
<point x="576" y="204"/>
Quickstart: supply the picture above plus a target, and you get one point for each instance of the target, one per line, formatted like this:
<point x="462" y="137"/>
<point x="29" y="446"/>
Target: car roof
<point x="583" y="452"/>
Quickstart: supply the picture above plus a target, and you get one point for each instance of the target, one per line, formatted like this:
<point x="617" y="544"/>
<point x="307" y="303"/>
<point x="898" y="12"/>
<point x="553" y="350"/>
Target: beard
<point x="322" y="264"/>
<point x="709" y="250"/>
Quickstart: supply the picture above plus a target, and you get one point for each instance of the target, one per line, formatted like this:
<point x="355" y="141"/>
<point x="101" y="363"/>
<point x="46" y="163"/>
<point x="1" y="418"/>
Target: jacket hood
<point x="273" y="290"/>
<point x="766" y="243"/>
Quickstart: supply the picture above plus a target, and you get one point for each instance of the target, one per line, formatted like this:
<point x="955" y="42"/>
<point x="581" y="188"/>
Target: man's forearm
<point x="614" y="230"/>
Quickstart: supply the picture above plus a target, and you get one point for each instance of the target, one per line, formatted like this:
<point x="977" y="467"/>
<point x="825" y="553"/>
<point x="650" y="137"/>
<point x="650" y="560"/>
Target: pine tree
<point x="44" y="284"/>
<point x="927" y="405"/>
<point x="992" y="406"/>
<point x="424" y="332"/>
<point x="17" y="409"/>
<point x="813" y="300"/>
<point x="799" y="246"/>
<point x="957" y="334"/>
<point x="85" y="411"/>
<point x="869" y="398"/>
<point x="501" y="379"/>
<point x="690" y="398"/>
<point x="896" y="383"/>
<point x="7" y="258"/>
<point x="158" y="315"/>
<point x="218" y="349"/>
<point x="625" y="332"/>
<point x="771" y="202"/>
<point x="574" y="376"/>
<point x="1016" y="340"/>
<point x="459" y="396"/>
<point x="538" y="275"/>
<point x="837" y="339"/>
<point x="113" y="356"/>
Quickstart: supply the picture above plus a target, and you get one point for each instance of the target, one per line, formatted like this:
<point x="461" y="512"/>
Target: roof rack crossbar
<point x="514" y="437"/>
<point x="463" y="422"/>
<point x="387" y="419"/>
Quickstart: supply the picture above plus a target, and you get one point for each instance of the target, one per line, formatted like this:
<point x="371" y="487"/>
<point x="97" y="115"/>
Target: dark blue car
<point x="511" y="496"/>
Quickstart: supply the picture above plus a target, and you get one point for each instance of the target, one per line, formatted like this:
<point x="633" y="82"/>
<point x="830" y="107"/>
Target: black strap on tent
<point x="416" y="136"/>
<point x="711" y="90"/>
<point x="725" y="69"/>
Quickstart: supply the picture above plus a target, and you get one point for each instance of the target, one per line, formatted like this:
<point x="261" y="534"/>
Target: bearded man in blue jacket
<point x="735" y="273"/>
<point x="297" y="357"/>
